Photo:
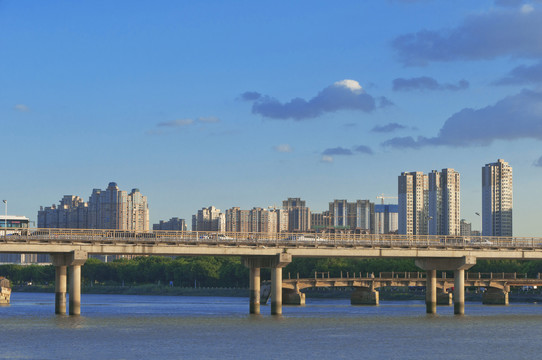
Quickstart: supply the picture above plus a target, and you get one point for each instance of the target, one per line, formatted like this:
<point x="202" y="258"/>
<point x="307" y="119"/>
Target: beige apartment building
<point x="106" y="209"/>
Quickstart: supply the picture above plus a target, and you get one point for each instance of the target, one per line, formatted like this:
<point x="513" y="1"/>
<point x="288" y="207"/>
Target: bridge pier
<point x="276" y="291"/>
<point x="293" y="297"/>
<point x="254" y="290"/>
<point x="365" y="296"/>
<point x="74" y="261"/>
<point x="60" y="287"/>
<point x="444" y="298"/>
<point x="276" y="263"/>
<point x="431" y="292"/>
<point x="459" y="292"/>
<point x="495" y="296"/>
<point x="458" y="265"/>
<point x="75" y="290"/>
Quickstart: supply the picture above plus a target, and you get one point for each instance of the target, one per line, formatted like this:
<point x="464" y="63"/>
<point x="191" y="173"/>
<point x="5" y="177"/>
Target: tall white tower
<point x="497" y="199"/>
<point x="444" y="202"/>
<point x="413" y="203"/>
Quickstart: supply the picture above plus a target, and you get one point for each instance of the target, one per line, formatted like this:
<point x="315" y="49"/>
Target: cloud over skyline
<point x="337" y="151"/>
<point x="426" y="83"/>
<point x="342" y="95"/>
<point x="538" y="163"/>
<point x="514" y="117"/>
<point x="522" y="75"/>
<point x="388" y="128"/>
<point x="363" y="149"/>
<point x="341" y="151"/>
<point x="480" y="37"/>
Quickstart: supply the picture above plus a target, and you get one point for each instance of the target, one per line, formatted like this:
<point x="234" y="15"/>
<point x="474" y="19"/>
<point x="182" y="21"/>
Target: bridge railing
<point x="270" y="239"/>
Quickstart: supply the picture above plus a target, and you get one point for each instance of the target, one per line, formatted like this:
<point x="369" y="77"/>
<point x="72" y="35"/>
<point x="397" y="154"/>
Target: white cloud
<point x="177" y="123"/>
<point x="283" y="148"/>
<point x="351" y="85"/>
<point x="326" y="159"/>
<point x="526" y="8"/>
<point x="21" y="108"/>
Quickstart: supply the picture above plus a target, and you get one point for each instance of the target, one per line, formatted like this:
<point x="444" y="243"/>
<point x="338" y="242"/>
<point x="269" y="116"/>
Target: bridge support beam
<point x="459" y="292"/>
<point x="254" y="290"/>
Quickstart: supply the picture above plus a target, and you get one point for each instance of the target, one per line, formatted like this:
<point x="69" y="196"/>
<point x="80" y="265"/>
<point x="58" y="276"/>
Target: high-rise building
<point x="413" y="203"/>
<point x="444" y="202"/>
<point x="209" y="219"/>
<point x="282" y="219"/>
<point x="174" y="223"/>
<point x="320" y="221"/>
<point x="109" y="209"/>
<point x="352" y="215"/>
<point x="338" y="210"/>
<point x="256" y="220"/>
<point x="497" y="199"/>
<point x="386" y="219"/>
<point x="299" y="216"/>
<point x="466" y="228"/>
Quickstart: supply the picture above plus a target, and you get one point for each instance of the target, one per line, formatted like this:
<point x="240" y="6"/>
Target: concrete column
<point x="60" y="289"/>
<point x="254" y="290"/>
<point x="276" y="291"/>
<point x="75" y="290"/>
<point x="459" y="292"/>
<point x="431" y="292"/>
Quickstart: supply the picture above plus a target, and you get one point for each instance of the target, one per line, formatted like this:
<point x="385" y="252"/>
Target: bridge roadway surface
<point x="71" y="247"/>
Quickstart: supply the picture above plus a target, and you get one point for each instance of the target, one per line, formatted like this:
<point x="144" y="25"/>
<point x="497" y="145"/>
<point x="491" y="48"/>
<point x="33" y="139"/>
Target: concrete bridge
<point x="497" y="285"/>
<point x="69" y="248"/>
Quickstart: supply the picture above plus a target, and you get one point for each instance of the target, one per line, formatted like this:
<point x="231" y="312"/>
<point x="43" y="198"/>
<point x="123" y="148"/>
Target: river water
<point x="162" y="327"/>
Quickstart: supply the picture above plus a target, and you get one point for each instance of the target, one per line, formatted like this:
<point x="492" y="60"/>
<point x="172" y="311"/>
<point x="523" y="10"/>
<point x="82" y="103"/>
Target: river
<point x="175" y="327"/>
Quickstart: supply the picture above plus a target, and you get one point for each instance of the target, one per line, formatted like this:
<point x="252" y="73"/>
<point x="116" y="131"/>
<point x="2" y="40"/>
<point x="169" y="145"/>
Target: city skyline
<point x="245" y="104"/>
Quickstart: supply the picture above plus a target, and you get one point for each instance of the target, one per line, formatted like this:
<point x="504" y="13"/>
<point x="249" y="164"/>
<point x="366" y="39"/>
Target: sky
<point x="247" y="103"/>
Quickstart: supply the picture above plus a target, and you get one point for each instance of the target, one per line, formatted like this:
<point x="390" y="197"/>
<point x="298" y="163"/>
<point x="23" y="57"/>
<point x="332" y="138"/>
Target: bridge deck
<point x="264" y="244"/>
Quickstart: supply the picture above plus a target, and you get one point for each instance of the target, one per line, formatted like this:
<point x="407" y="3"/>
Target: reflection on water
<point x="128" y="327"/>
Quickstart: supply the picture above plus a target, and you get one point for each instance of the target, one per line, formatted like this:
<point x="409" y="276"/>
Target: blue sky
<point x="246" y="103"/>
